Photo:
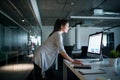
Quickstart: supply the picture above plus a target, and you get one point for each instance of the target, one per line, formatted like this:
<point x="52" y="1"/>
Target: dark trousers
<point x="49" y="74"/>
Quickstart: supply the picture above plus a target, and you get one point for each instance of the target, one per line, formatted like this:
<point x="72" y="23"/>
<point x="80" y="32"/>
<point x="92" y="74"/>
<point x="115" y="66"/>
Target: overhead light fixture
<point x="112" y="13"/>
<point x="23" y="20"/>
<point x="94" y="17"/>
<point x="98" y="12"/>
<point x="72" y="3"/>
<point x="102" y="12"/>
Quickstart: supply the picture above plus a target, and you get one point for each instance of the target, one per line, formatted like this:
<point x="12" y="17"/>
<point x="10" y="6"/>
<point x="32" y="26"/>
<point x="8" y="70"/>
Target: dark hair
<point x="57" y="25"/>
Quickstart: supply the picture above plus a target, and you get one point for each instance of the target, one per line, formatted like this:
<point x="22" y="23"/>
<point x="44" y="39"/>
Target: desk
<point x="110" y="75"/>
<point x="15" y="53"/>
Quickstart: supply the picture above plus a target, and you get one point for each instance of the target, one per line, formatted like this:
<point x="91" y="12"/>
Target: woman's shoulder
<point x="57" y="33"/>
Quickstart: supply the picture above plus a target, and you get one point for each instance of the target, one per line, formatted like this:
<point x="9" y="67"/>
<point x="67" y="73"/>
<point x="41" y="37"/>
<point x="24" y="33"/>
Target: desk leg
<point x="64" y="72"/>
<point x="6" y="58"/>
<point x="17" y="57"/>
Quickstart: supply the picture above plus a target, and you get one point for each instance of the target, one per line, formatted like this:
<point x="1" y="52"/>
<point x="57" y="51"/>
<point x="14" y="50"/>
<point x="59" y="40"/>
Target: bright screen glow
<point x="94" y="44"/>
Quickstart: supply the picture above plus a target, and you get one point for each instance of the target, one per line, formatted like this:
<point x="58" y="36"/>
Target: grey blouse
<point x="46" y="54"/>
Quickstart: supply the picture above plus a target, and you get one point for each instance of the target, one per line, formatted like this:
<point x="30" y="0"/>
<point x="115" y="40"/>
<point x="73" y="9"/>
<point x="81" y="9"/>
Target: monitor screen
<point x="94" y="43"/>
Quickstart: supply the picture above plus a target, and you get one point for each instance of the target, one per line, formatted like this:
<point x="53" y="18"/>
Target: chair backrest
<point x="69" y="50"/>
<point x="84" y="51"/>
<point x="118" y="48"/>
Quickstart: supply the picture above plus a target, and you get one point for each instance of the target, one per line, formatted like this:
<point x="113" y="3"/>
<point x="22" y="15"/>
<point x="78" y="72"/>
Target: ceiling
<point x="19" y="13"/>
<point x="31" y="15"/>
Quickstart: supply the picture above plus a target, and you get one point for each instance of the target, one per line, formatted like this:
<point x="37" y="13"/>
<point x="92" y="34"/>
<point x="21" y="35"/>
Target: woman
<point x="45" y="55"/>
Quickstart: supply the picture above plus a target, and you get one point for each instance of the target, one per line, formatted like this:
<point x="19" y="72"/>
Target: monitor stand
<point x="101" y="57"/>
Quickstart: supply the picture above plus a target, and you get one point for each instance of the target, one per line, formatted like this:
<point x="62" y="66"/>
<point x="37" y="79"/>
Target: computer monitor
<point x="94" y="44"/>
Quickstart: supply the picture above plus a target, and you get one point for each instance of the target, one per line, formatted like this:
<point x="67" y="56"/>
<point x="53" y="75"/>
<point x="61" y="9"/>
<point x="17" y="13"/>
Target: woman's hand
<point x="75" y="61"/>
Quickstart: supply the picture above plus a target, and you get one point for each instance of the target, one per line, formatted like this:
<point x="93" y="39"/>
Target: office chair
<point x="118" y="48"/>
<point x="84" y="51"/>
<point x="60" y="58"/>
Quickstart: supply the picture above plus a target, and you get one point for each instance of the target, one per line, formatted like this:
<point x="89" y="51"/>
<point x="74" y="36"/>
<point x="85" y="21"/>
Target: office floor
<point x="58" y="74"/>
<point x="23" y="70"/>
<point x="16" y="70"/>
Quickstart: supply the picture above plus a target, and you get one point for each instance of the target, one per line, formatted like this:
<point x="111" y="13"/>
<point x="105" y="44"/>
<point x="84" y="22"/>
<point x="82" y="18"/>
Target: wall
<point x="116" y="36"/>
<point x="13" y="38"/>
<point x="7" y="37"/>
<point x="1" y="36"/>
<point x="46" y="30"/>
<point x="69" y="38"/>
<point x="82" y="35"/>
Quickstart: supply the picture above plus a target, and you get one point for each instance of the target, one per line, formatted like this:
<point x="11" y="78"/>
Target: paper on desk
<point x="91" y="71"/>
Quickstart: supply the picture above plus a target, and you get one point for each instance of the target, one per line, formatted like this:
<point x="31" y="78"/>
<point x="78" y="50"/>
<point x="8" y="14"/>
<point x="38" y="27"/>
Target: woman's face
<point x="65" y="27"/>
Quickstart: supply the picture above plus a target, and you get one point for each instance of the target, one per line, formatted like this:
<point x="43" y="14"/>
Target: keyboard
<point x="91" y="61"/>
<point x="82" y="66"/>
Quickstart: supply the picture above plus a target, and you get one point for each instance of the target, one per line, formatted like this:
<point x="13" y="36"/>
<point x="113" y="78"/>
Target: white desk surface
<point x="104" y="65"/>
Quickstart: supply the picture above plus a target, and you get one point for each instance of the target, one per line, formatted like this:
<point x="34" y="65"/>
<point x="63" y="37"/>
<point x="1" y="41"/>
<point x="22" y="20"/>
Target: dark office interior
<point x="25" y="24"/>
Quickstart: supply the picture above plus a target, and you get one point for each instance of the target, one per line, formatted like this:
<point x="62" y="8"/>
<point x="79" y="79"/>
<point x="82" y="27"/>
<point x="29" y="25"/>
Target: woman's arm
<point x="59" y="43"/>
<point x="74" y="61"/>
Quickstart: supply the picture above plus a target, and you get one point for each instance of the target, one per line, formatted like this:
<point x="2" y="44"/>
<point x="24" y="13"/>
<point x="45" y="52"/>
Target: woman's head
<point x="61" y="25"/>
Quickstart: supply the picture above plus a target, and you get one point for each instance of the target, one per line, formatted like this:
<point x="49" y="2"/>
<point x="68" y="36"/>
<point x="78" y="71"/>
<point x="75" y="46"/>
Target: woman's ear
<point x="62" y="27"/>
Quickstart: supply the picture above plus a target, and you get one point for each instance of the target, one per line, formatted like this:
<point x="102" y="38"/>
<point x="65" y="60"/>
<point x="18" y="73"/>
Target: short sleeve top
<point x="46" y="54"/>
